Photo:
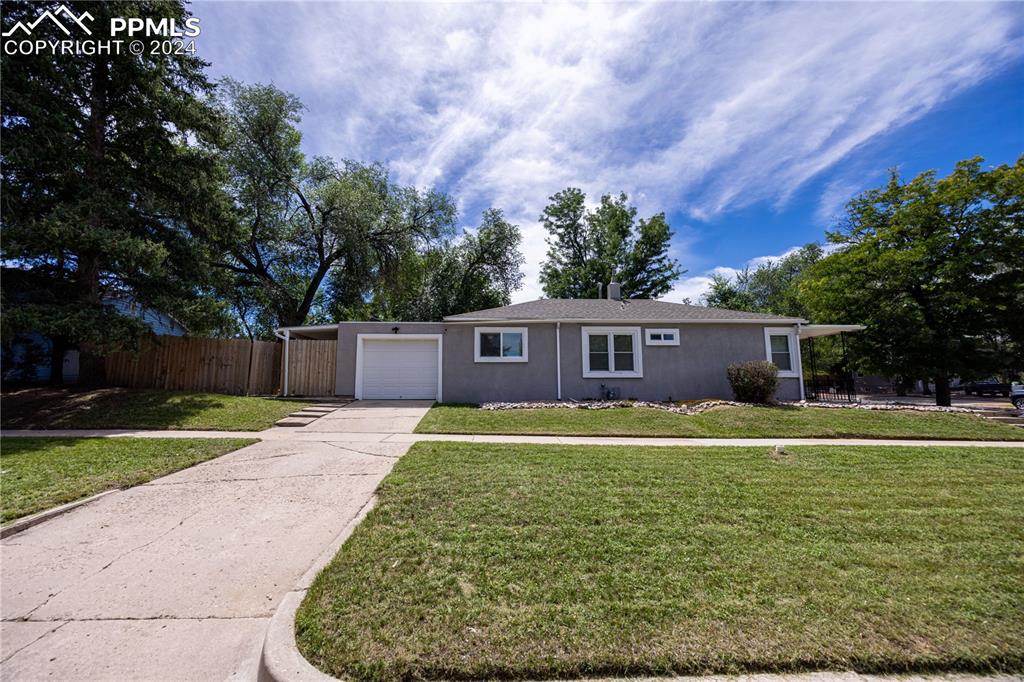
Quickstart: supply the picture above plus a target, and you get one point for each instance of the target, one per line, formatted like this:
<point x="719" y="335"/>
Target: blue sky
<point x="748" y="124"/>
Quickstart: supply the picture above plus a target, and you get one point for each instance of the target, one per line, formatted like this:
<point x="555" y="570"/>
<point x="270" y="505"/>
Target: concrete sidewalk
<point x="177" y="579"/>
<point x="306" y="435"/>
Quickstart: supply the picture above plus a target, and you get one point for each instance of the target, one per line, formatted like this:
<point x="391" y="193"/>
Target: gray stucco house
<point x="553" y="349"/>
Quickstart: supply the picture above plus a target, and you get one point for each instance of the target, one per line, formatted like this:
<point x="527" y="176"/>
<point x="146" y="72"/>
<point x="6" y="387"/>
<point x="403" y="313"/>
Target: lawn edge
<point x="15" y="526"/>
<point x="426" y="429"/>
<point x="280" y="657"/>
<point x="840" y="436"/>
<point x="25" y="522"/>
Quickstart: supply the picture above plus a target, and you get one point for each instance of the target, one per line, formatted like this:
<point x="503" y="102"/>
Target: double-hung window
<point x="500" y="344"/>
<point x="780" y="345"/>
<point x="612" y="352"/>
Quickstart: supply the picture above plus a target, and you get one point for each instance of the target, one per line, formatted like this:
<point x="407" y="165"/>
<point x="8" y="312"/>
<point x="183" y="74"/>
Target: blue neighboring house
<point x="27" y="358"/>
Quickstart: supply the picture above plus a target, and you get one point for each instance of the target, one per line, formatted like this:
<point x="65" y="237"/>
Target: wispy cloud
<point x="694" y="109"/>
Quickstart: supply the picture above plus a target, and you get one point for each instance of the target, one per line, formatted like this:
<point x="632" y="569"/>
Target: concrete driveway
<point x="373" y="416"/>
<point x="177" y="579"/>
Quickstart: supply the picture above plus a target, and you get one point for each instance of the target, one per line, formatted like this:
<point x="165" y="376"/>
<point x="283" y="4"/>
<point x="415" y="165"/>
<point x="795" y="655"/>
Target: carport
<point x="836" y="385"/>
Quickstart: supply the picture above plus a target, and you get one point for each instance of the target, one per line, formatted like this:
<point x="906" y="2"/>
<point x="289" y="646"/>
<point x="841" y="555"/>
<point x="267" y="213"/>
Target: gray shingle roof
<point x="596" y="309"/>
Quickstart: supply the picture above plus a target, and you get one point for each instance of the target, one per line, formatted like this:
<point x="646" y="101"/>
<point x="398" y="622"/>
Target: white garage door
<point x="398" y="368"/>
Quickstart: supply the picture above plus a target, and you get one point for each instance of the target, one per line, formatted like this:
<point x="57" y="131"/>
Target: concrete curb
<point x="27" y="522"/>
<point x="280" y="660"/>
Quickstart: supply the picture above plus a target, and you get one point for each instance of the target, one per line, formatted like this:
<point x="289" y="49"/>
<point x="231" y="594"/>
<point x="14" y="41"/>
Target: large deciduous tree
<point x="310" y="231"/>
<point x="589" y="248"/>
<point x="933" y="268"/>
<point x="479" y="270"/>
<point x="103" y="181"/>
<point x="771" y="287"/>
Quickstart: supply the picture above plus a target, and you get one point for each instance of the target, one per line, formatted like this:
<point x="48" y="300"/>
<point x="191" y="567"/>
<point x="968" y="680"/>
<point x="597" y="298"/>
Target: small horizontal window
<point x="662" y="337"/>
<point x="500" y="344"/>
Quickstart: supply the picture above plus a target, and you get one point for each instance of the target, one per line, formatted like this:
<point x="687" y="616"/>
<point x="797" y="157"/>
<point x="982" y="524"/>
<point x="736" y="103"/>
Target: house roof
<point x="607" y="310"/>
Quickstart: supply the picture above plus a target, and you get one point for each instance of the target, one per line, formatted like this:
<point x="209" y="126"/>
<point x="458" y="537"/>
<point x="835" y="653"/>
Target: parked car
<point x="1017" y="396"/>
<point x="987" y="387"/>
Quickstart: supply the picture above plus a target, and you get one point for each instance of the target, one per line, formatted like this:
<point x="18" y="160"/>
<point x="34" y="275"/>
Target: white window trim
<point x="638" y="356"/>
<point x="477" y="331"/>
<point x="661" y="342"/>
<point x="360" y="338"/>
<point x="794" y="353"/>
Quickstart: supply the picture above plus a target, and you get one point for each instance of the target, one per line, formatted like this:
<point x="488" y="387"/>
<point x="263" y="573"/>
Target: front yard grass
<point x="555" y="562"/>
<point x="123" y="408"/>
<point x="40" y="473"/>
<point x="720" y="422"/>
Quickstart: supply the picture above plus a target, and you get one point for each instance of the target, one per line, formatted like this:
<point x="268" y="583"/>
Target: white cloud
<point x="694" y="109"/>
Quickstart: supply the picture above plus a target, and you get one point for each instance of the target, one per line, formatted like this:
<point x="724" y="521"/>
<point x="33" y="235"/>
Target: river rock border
<point x="705" y="405"/>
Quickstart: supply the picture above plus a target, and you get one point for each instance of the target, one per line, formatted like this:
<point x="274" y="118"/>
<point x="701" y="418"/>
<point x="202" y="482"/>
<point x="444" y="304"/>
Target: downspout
<point x="558" y="357"/>
<point x="800" y="362"/>
<point x="285" y="338"/>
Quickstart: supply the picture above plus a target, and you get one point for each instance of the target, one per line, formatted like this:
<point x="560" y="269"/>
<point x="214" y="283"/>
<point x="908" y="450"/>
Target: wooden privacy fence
<point x="311" y="366"/>
<point x="185" y="363"/>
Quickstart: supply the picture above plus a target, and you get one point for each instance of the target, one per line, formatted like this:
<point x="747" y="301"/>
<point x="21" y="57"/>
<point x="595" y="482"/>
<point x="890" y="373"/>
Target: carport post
<point x="287" y="336"/>
<point x="558" y="357"/>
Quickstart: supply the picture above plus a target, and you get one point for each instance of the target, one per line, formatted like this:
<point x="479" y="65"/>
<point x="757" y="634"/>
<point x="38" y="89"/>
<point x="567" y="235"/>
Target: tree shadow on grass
<point x="104" y="408"/>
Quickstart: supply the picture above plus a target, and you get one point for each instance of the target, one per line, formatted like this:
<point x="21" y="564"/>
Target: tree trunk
<point x="942" y="395"/>
<point x="901" y="387"/>
<point x="91" y="370"/>
<point x="57" y="347"/>
<point x="291" y="318"/>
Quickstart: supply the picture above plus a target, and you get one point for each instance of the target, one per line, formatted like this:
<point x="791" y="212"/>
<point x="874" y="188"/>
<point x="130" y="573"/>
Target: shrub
<point x="753" y="382"/>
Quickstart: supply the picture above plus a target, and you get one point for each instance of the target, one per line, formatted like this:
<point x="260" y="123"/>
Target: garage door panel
<point x="400" y="369"/>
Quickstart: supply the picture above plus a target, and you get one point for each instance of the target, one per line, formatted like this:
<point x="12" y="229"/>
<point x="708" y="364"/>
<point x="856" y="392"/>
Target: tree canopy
<point x="479" y="270"/>
<point x="589" y="248"/>
<point x="303" y="224"/>
<point x="933" y="268"/>
<point x="771" y="287"/>
<point x="104" y="180"/>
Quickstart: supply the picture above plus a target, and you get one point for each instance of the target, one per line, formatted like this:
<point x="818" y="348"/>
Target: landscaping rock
<point x="705" y="405"/>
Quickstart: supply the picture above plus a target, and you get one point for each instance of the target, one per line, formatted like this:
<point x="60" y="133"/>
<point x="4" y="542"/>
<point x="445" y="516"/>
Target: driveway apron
<point x="177" y="579"/>
<point x="374" y="416"/>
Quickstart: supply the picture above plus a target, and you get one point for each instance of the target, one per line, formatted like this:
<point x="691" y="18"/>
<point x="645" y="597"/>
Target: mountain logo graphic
<point x="52" y="16"/>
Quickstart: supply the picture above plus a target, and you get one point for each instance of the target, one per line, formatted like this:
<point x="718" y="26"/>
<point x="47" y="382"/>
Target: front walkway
<point x="177" y="579"/>
<point x="362" y="416"/>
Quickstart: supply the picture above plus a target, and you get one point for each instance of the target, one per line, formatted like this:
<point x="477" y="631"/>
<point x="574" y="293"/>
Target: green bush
<point x="753" y="382"/>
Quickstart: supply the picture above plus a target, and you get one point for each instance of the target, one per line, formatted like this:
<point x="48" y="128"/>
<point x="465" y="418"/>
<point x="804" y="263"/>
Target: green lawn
<point x="122" y="408"/>
<point x="40" y="473"/>
<point x="720" y="422"/>
<point x="550" y="562"/>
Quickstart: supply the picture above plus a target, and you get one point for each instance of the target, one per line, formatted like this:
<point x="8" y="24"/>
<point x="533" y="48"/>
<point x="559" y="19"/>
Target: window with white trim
<point x="780" y="344"/>
<point x="612" y="352"/>
<point x="661" y="337"/>
<point x="500" y="344"/>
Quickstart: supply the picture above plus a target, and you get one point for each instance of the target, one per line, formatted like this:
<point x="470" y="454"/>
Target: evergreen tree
<point x="103" y="182"/>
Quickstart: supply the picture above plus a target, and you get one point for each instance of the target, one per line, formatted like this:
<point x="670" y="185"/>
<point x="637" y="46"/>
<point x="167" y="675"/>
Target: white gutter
<point x="558" y="357"/>
<point x="768" y="321"/>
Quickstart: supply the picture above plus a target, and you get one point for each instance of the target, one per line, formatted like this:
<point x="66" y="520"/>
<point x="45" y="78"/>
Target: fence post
<point x="248" y="372"/>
